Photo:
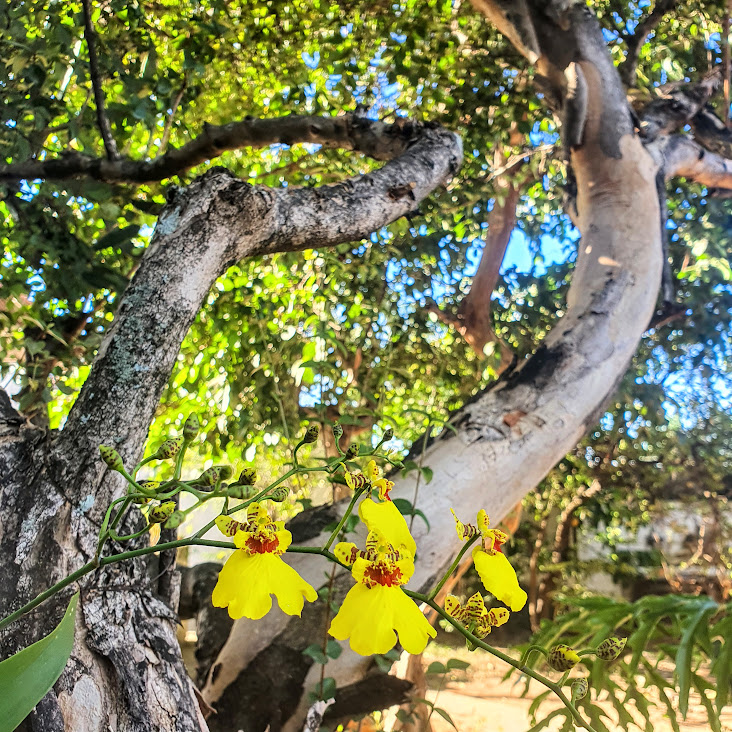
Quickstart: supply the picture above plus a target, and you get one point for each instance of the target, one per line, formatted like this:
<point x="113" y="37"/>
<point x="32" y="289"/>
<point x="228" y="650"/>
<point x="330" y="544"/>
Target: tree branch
<point x="376" y="691"/>
<point x="473" y="318"/>
<point x="635" y="41"/>
<point x="375" y="139"/>
<point x="712" y="132"/>
<point x="680" y="155"/>
<point x="677" y="106"/>
<point x="90" y="36"/>
<point x="306" y="218"/>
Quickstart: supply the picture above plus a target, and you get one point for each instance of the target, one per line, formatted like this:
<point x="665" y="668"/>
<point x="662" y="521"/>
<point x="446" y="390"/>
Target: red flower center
<point x="383" y="574"/>
<point x="262" y="544"/>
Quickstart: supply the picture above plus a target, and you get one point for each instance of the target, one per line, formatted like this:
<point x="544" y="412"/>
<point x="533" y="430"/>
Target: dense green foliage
<point x="344" y="334"/>
<point x="678" y="651"/>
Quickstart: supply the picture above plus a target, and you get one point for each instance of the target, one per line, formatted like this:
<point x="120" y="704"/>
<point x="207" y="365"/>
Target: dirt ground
<point x="478" y="700"/>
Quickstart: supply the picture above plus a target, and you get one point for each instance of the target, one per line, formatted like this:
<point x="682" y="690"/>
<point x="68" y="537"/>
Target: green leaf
<point x="722" y="666"/>
<point x="685" y="651"/>
<point x="445" y="716"/>
<point x="28" y="676"/>
<point x="386" y="660"/>
<point x="328" y="689"/>
<point x="315" y="652"/>
<point x="333" y="649"/>
<point x="702" y="687"/>
<point x="545" y="721"/>
<point x="436" y="668"/>
<point x="406" y="508"/>
<point x="537" y="702"/>
<point x="456" y="663"/>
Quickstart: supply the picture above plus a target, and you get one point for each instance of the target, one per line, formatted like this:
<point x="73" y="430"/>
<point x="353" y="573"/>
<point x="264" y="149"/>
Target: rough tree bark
<point x="126" y="671"/>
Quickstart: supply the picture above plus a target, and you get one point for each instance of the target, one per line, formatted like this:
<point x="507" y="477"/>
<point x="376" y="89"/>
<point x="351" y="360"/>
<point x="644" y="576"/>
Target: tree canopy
<point x="108" y="110"/>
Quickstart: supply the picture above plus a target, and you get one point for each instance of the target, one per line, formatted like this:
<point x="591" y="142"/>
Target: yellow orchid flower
<point x="388" y="521"/>
<point x="371" y="479"/>
<point x="499" y="578"/>
<point x="376" y="609"/>
<point x="494" y="569"/>
<point x="256" y="571"/>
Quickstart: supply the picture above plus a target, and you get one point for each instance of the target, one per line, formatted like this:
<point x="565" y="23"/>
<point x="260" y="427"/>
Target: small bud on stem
<point x="279" y="494"/>
<point x="610" y="648"/>
<point x="169" y="449"/>
<point x="212" y="476"/>
<point x="248" y="476"/>
<point x="112" y="458"/>
<point x="311" y="434"/>
<point x="241" y="490"/>
<point x="161" y="513"/>
<point x="579" y="688"/>
<point x="562" y="658"/>
<point x="191" y="427"/>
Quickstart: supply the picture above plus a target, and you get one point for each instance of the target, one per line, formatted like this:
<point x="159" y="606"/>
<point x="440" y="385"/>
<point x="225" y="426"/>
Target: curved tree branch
<point x="54" y="505"/>
<point x="473" y="318"/>
<point x="681" y="155"/>
<point x="677" y="106"/>
<point x="376" y="139"/>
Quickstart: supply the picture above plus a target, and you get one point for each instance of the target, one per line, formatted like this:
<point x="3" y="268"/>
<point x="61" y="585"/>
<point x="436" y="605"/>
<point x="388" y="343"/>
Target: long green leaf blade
<point x="28" y="676"/>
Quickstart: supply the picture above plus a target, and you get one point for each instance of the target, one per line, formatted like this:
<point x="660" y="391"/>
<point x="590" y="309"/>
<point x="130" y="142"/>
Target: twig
<point x="90" y="36"/>
<point x="171" y="116"/>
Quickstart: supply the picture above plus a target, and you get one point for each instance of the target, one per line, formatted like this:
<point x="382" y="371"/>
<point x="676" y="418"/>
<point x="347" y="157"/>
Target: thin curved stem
<point x="527" y="653"/>
<point x="50" y="592"/>
<point x="453" y="566"/>
<point x="341" y="523"/>
<point x="97" y="563"/>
